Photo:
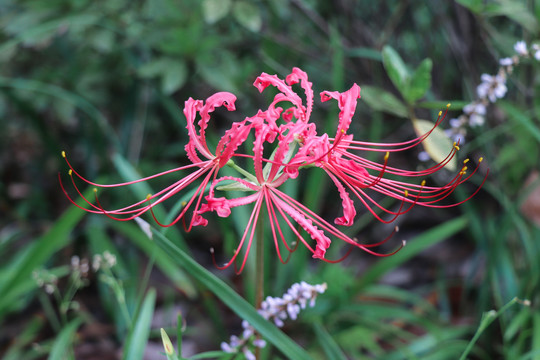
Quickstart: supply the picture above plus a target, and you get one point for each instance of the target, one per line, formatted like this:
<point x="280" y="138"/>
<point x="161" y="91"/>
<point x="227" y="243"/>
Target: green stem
<point x="248" y="176"/>
<point x="259" y="266"/>
<point x="259" y="272"/>
<point x="487" y="319"/>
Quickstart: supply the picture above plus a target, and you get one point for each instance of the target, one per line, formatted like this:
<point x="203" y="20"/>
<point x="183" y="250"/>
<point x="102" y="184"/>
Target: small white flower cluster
<point x="105" y="261"/>
<point x="45" y="280"/>
<point x="79" y="265"/>
<point x="275" y="309"/>
<point x="491" y="88"/>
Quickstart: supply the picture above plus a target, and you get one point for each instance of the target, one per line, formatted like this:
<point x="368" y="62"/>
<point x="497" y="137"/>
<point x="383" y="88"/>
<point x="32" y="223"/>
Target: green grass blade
<point x="163" y="261"/>
<point x="487" y="319"/>
<point x="330" y="347"/>
<point x="62" y="344"/>
<point x="234" y="301"/>
<point x="137" y="339"/>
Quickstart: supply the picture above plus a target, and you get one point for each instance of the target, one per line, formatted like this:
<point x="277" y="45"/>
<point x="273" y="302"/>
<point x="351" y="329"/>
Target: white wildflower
<point x="75" y="262"/>
<point x="508" y="61"/>
<point x="521" y="48"/>
<point x="492" y="87"/>
<point x="475" y="108"/>
<point x="455" y="123"/>
<point x="476" y="120"/>
<point x="109" y="258"/>
<point x="96" y="262"/>
<point x="536" y="49"/>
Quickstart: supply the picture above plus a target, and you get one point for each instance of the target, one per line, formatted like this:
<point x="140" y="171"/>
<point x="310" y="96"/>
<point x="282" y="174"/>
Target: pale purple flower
<point x="492" y="87"/>
<point x="536" y="49"/>
<point x="276" y="309"/>
<point x="508" y="61"/>
<point x="521" y="48"/>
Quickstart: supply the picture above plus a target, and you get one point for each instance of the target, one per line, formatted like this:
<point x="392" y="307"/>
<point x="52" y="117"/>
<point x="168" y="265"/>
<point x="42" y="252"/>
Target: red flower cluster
<point x="296" y="146"/>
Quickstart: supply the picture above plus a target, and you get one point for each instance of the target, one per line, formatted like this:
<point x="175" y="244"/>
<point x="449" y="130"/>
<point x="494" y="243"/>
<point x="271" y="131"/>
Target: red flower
<point x="296" y="147"/>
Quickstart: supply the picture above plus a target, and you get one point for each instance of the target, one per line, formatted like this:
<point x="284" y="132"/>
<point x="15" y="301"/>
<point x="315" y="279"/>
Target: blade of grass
<point x="487" y="319"/>
<point x="330" y="347"/>
<point x="62" y="346"/>
<point x="163" y="261"/>
<point x="138" y="336"/>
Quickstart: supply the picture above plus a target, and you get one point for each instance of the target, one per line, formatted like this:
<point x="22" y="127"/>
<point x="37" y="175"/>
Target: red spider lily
<point x="296" y="147"/>
<point x="195" y="148"/>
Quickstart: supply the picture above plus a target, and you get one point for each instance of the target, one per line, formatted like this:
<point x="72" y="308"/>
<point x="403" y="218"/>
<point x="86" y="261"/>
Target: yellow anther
<point x="440" y="113"/>
<point x="406" y="193"/>
<point x="70" y="172"/>
<point x="95" y="190"/>
<point x="148" y="197"/>
<point x="386" y="156"/>
<point x="448" y="105"/>
<point x="464" y="168"/>
<point x="423" y="183"/>
<point x="184" y="203"/>
<point x="456" y="147"/>
<point x="481" y="159"/>
<point x="342" y="131"/>
<point x="63" y="154"/>
<point x="465" y="161"/>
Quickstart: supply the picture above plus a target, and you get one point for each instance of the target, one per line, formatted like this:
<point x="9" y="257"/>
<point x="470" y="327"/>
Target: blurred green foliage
<point x="106" y="81"/>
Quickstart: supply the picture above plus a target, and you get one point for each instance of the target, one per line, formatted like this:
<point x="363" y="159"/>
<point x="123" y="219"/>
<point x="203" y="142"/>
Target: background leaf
<point x="138" y="338"/>
<point x="381" y="100"/>
<point x="396" y="69"/>
<point x="248" y="15"/>
<point x="215" y="10"/>
<point x="437" y="144"/>
<point x="420" y="81"/>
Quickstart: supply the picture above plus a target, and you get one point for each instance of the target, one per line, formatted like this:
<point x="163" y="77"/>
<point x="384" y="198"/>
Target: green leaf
<point x="234" y="301"/>
<point x="174" y="77"/>
<point x="173" y="73"/>
<point x="437" y="144"/>
<point x="330" y="347"/>
<point x="420" y="81"/>
<point x="215" y="10"/>
<point x="248" y="15"/>
<point x="63" y="343"/>
<point x="178" y="277"/>
<point x="381" y="100"/>
<point x="137" y="339"/>
<point x="396" y="69"/>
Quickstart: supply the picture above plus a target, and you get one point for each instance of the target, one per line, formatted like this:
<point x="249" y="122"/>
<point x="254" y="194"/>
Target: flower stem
<point x="259" y="272"/>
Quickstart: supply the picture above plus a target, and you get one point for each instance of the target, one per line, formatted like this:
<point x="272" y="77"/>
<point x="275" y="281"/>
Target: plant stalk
<point x="259" y="272"/>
